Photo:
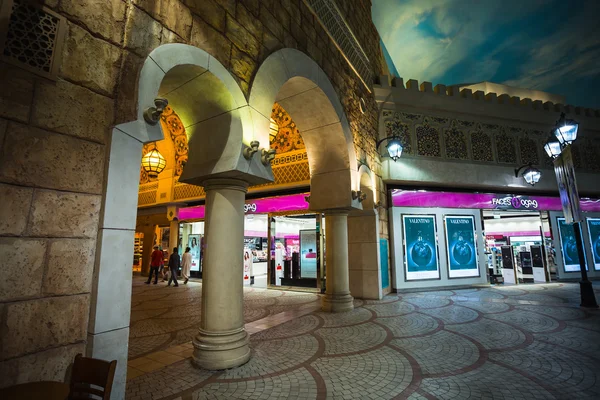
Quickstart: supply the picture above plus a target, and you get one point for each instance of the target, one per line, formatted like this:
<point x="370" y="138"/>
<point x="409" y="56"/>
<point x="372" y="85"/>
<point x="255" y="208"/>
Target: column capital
<point x="337" y="211"/>
<point x="225" y="183"/>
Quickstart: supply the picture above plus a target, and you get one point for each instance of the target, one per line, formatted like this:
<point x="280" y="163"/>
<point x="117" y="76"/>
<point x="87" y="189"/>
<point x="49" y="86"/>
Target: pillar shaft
<point x="337" y="294"/>
<point x="222" y="341"/>
<point x="173" y="235"/>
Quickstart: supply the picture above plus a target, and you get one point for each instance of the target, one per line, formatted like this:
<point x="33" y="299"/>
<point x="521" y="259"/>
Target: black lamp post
<point x="565" y="131"/>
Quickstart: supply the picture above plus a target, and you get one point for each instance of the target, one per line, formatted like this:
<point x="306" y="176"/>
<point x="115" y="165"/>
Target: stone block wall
<point x="54" y="138"/>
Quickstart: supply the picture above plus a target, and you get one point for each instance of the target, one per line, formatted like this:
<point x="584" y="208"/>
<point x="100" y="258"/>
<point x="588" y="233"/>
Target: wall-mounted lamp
<point x="530" y="174"/>
<point x="394" y="146"/>
<point x="249" y="151"/>
<point x="152" y="114"/>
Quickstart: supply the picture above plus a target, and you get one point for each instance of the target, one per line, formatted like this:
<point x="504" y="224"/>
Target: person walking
<point x="156" y="258"/>
<point x="186" y="264"/>
<point x="174" y="265"/>
<point x="162" y="270"/>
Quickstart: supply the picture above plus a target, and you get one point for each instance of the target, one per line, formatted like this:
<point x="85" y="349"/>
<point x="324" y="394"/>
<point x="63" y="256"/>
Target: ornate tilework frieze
<point x="428" y="141"/>
<point x="529" y="151"/>
<point x="481" y="146"/>
<point x="578" y="156"/>
<point x="505" y="147"/>
<point x="491" y="127"/>
<point x="287" y="136"/>
<point x="591" y="156"/>
<point x="412" y="117"/>
<point x="466" y="124"/>
<point x="515" y="129"/>
<point x="395" y="127"/>
<point x="438" y="120"/>
<point x="456" y="143"/>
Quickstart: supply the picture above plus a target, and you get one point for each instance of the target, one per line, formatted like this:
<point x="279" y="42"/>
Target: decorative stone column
<point x="337" y="294"/>
<point x="222" y="341"/>
<point x="173" y="217"/>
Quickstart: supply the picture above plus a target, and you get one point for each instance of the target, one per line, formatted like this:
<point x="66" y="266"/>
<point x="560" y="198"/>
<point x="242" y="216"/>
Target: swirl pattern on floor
<point x="497" y="343"/>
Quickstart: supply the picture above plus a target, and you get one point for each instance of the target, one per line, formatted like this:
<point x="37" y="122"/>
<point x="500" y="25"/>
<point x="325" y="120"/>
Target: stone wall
<point x="54" y="137"/>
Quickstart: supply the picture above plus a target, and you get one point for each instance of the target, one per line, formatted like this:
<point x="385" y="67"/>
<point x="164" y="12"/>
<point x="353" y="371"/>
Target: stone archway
<point x="213" y="107"/>
<point x="295" y="81"/>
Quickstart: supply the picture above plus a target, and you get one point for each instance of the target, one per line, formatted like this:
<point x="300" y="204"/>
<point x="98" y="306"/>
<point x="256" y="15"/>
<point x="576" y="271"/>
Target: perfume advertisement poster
<point x="568" y="246"/>
<point x="194" y="245"/>
<point x="594" y="231"/>
<point x="421" y="257"/>
<point x="461" y="247"/>
<point x="308" y="254"/>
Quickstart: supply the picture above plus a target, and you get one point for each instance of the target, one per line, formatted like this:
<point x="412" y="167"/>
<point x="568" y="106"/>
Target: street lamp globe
<point x="566" y="130"/>
<point x="532" y="175"/>
<point x="553" y="148"/>
<point x="394" y="148"/>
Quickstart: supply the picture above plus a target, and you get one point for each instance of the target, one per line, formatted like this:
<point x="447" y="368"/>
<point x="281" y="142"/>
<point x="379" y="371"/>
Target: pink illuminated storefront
<point x="455" y="239"/>
<point x="282" y="245"/>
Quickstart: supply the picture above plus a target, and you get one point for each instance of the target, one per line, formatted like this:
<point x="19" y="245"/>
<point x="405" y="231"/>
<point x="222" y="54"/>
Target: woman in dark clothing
<point x="174" y="265"/>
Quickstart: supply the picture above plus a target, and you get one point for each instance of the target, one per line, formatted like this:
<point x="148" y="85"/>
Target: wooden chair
<point x="91" y="378"/>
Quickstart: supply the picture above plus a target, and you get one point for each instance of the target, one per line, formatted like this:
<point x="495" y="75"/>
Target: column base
<point x="337" y="303"/>
<point x="221" y="350"/>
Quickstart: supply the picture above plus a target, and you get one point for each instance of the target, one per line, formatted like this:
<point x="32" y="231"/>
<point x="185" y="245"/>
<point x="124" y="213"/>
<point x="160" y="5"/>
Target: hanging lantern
<point x="153" y="163"/>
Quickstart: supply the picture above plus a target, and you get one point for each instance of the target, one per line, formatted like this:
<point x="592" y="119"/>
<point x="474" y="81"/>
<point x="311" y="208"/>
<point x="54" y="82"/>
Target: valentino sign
<point x="514" y="202"/>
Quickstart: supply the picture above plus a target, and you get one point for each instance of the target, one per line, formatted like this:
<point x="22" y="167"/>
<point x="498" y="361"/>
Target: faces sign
<point x="568" y="246"/>
<point x="593" y="225"/>
<point x="250" y="207"/>
<point x="461" y="246"/>
<point x="421" y="258"/>
<point x="516" y="202"/>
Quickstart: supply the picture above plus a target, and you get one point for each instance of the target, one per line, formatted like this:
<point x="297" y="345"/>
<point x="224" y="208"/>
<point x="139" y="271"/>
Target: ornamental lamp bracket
<point x="152" y="114"/>
<point x="250" y="151"/>
<point x="267" y="156"/>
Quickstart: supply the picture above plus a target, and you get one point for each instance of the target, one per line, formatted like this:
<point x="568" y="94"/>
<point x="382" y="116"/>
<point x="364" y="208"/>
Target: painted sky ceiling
<point x="547" y="45"/>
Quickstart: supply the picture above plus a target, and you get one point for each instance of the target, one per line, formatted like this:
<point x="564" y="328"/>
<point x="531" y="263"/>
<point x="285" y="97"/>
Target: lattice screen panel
<point x="34" y="37"/>
<point x="183" y="191"/>
<point x="148" y="186"/>
<point x="145" y="198"/>
<point x="334" y="23"/>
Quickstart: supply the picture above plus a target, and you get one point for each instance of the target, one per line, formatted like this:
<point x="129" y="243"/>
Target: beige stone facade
<point x="56" y="145"/>
<point x="70" y="147"/>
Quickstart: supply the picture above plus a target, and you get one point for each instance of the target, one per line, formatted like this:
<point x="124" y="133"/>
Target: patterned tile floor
<point x="513" y="342"/>
<point x="163" y="316"/>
